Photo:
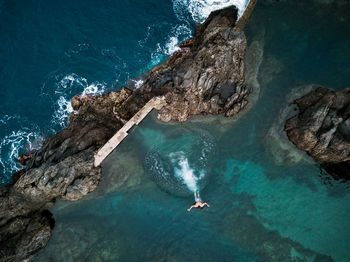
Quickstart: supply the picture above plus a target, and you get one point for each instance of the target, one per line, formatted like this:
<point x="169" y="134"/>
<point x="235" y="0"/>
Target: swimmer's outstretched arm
<point x="189" y="209"/>
<point x="205" y="203"/>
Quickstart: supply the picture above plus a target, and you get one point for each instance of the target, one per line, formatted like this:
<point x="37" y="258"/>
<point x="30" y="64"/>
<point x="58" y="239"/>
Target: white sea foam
<point x="138" y="83"/>
<point x="184" y="172"/>
<point x="176" y="35"/>
<point x="14" y="143"/>
<point x="199" y="10"/>
<point x="94" y="89"/>
<point x="64" y="108"/>
<point x="68" y="86"/>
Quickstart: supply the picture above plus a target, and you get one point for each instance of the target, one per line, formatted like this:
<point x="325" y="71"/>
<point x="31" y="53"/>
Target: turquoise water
<point x="261" y="210"/>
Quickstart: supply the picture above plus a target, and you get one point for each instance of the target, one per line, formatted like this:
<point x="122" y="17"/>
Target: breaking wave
<point x="170" y="44"/>
<point x="199" y="10"/>
<point x="21" y="136"/>
<point x="66" y="88"/>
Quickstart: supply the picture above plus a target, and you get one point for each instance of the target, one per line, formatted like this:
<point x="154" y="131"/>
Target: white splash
<point x="13" y="143"/>
<point x="63" y="110"/>
<point x="185" y="173"/>
<point x="94" y="89"/>
<point x="68" y="86"/>
<point x="171" y="46"/>
<point x="177" y="34"/>
<point x="199" y="10"/>
<point x="138" y="83"/>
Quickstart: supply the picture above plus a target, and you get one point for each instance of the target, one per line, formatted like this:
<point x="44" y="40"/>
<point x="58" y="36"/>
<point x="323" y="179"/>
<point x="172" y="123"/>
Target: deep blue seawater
<point x="262" y="208"/>
<point x="52" y="50"/>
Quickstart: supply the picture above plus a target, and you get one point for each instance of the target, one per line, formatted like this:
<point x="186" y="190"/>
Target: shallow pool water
<point x="262" y="209"/>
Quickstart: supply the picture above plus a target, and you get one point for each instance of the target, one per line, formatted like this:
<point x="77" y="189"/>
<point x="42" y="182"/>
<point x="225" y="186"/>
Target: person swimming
<point x="199" y="203"/>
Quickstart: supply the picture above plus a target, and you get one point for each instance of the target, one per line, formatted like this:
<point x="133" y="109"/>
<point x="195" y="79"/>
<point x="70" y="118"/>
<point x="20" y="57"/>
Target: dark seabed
<point x="265" y="206"/>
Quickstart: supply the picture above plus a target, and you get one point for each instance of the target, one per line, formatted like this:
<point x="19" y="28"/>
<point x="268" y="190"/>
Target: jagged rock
<point x="62" y="168"/>
<point x="282" y="151"/>
<point x="322" y="127"/>
<point x="69" y="179"/>
<point x="205" y="77"/>
<point x="24" y="236"/>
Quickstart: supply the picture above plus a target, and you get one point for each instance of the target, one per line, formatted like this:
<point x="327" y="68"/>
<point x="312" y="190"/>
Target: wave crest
<point x="199" y="10"/>
<point x="170" y="45"/>
<point x="66" y="88"/>
<point x="20" y="134"/>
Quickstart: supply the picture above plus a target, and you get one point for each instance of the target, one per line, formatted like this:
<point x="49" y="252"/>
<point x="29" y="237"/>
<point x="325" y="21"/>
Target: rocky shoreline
<point x="322" y="129"/>
<point x="206" y="76"/>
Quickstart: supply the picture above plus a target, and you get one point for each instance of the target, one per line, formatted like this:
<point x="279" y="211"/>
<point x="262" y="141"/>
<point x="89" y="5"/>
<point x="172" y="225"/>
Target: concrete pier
<point x="103" y="152"/>
<point x="244" y="18"/>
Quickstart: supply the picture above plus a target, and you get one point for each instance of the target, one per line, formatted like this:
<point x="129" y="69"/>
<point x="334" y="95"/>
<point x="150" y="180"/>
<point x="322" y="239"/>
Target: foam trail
<point x="185" y="172"/>
<point x="199" y="10"/>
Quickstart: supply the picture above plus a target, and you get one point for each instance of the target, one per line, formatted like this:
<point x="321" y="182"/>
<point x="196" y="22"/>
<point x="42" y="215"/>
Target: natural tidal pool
<point x="269" y="202"/>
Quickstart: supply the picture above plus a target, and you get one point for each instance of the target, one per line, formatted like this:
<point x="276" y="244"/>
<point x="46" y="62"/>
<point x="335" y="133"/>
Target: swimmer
<point x="199" y="203"/>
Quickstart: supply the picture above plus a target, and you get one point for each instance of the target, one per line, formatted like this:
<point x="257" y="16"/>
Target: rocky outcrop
<point x="281" y="150"/>
<point x="322" y="127"/>
<point x="206" y="76"/>
<point x="25" y="226"/>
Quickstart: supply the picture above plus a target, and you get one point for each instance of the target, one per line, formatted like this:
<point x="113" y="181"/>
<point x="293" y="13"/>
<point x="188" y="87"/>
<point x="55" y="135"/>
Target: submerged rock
<point x="282" y="151"/>
<point x="322" y="127"/>
<point x="267" y="244"/>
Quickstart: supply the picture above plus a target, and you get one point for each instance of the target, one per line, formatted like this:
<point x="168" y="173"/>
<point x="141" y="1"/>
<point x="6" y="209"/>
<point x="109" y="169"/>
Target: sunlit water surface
<point x="260" y="211"/>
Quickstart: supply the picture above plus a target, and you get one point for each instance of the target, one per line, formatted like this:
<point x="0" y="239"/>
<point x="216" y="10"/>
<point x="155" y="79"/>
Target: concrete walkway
<point x="103" y="152"/>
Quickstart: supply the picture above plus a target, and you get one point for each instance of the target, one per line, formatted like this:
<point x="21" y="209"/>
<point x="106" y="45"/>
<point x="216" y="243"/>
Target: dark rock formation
<point x="62" y="168"/>
<point x="281" y="150"/>
<point x="205" y="77"/>
<point x="24" y="227"/>
<point x="322" y="128"/>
